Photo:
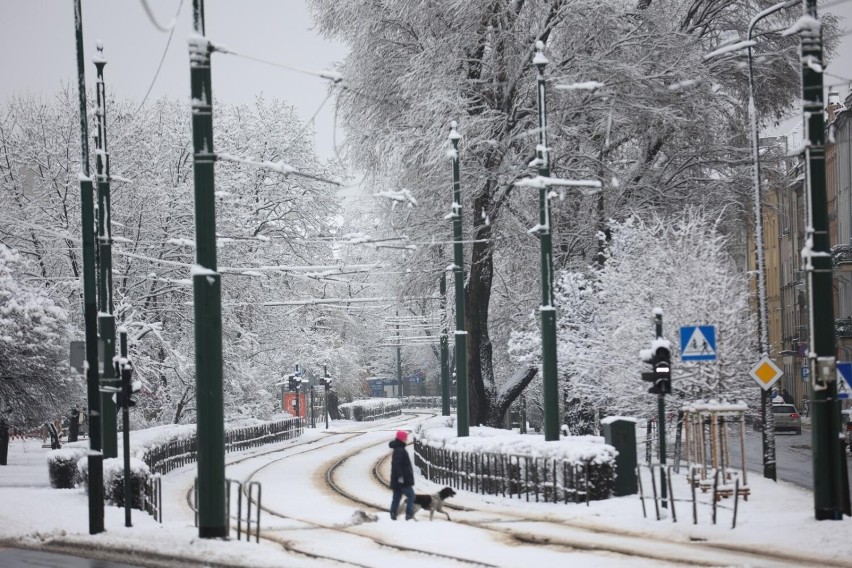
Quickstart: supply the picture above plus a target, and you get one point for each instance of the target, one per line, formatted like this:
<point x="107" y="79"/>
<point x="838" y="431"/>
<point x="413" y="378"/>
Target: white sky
<point x="37" y="40"/>
<point x="38" y="46"/>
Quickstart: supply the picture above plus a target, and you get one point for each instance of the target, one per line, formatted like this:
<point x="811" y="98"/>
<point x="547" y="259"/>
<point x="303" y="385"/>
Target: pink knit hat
<point x="402" y="436"/>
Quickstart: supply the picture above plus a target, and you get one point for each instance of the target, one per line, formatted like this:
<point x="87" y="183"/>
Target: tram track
<point x="691" y="551"/>
<point x="520" y="528"/>
<point x="289" y="544"/>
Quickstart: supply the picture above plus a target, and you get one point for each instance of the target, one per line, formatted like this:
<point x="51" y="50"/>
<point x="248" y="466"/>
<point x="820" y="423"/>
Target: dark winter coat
<point x="402" y="474"/>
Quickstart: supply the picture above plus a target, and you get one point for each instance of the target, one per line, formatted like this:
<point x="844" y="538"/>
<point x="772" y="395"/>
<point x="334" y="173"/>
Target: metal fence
<point x="425" y="402"/>
<point x="152" y="499"/>
<point x="524" y="477"/>
<point x="171" y="455"/>
<point x="177" y="453"/>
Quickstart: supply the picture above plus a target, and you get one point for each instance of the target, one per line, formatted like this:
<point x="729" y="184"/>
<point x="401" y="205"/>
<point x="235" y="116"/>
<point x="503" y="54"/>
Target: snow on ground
<point x="777" y="516"/>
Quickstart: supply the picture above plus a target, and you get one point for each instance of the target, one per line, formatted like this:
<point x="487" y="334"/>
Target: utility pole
<point x="90" y="310"/>
<point x="550" y="385"/>
<point x="207" y="294"/>
<point x="831" y="489"/>
<point x="445" y="354"/>
<point x="125" y="369"/>
<point x="463" y="409"/>
<point x="399" y="393"/>
<point x="325" y="398"/>
<point x="766" y="415"/>
<point x="661" y="416"/>
<point x="106" y="318"/>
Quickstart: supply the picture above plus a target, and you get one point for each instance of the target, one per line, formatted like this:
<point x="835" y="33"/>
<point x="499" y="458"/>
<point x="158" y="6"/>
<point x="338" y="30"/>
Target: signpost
<point x="78" y="356"/>
<point x="766" y="373"/>
<point x="698" y="343"/>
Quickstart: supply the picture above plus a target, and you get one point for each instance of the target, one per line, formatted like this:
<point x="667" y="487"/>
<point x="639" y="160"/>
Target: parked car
<point x="786" y="418"/>
<point x="846" y="426"/>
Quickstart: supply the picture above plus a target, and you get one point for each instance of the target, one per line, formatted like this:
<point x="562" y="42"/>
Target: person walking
<point x="402" y="476"/>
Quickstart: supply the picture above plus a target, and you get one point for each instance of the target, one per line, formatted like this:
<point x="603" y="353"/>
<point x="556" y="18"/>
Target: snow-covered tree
<point x="265" y="220"/>
<point x="632" y="103"/>
<point x="36" y="382"/>
<point x="679" y="263"/>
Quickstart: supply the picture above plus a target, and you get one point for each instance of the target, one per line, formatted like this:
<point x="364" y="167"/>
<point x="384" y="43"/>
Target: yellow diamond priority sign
<point x="766" y="373"/>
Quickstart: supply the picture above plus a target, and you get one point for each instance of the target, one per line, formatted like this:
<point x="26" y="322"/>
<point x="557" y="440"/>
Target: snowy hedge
<point x="114" y="480"/>
<point x="62" y="467"/>
<point x="493" y="461"/>
<point x="371" y="409"/>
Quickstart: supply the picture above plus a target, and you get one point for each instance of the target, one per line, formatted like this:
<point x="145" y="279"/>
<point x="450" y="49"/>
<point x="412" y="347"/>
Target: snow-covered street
<point x="315" y="486"/>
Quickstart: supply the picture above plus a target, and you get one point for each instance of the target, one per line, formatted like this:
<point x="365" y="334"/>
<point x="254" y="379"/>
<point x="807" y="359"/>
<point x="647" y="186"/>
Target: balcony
<point x="843" y="327"/>
<point x="841" y="257"/>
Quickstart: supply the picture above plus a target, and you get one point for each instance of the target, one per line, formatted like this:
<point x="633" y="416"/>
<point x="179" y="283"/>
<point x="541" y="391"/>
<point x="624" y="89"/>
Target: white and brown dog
<point x="432" y="503"/>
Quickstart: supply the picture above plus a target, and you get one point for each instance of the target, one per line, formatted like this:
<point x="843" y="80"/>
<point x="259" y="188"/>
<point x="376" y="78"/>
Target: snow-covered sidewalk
<point x="777" y="518"/>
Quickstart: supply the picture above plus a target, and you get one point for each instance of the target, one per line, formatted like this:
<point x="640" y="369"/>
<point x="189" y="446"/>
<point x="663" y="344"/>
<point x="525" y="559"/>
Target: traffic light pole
<point x="550" y="384"/>
<point x="90" y="309"/>
<point x="125" y="369"/>
<point x="325" y="399"/>
<point x="661" y="417"/>
<point x="445" y="352"/>
<point x="462" y="405"/>
<point x="400" y="393"/>
<point x="831" y="489"/>
<point x="207" y="294"/>
<point x="106" y="319"/>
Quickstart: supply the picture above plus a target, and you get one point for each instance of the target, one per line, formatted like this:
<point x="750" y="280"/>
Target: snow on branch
<point x="805" y="23"/>
<point x="541" y="182"/>
<point x="582" y="86"/>
<point x="280" y="167"/>
<point x="402" y="196"/>
<point x="730" y="48"/>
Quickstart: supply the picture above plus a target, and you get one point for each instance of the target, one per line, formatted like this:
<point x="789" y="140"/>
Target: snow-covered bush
<point x="371" y="409"/>
<point x="62" y="467"/>
<point x="493" y="461"/>
<point x="114" y="481"/>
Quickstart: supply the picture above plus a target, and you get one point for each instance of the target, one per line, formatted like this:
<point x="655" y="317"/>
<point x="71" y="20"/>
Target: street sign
<point x="698" y="343"/>
<point x="78" y="355"/>
<point x="805" y="372"/>
<point x="766" y="373"/>
<point x="845" y="371"/>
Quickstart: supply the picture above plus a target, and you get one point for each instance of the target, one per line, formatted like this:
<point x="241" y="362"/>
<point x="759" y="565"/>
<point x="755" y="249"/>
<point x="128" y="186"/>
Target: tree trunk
<point x="4" y="440"/>
<point x="480" y="373"/>
<point x="504" y="400"/>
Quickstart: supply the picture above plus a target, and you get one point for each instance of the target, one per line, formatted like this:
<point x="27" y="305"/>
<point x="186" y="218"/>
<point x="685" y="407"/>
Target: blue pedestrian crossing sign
<point x="698" y="343"/>
<point x="845" y="371"/>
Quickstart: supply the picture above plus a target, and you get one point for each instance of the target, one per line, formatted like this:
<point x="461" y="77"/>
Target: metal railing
<point x="425" y="402"/>
<point x="252" y="496"/>
<point x="843" y="327"/>
<point x="841" y="254"/>
<point x="152" y="499"/>
<point x="177" y="453"/>
<point x="525" y="477"/>
<point x="719" y="488"/>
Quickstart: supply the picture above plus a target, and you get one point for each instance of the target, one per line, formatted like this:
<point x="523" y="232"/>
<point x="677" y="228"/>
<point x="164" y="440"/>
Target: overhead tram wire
<point x="171" y="30"/>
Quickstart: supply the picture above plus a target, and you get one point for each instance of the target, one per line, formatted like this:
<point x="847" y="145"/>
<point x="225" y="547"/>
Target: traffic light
<point x="292" y="382"/>
<point x="663" y="369"/>
<point x="325" y="382"/>
<point x="661" y="377"/>
<point x="126" y="370"/>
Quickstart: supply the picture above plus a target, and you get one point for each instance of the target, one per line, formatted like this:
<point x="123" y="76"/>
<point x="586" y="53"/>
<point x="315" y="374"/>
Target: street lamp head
<point x="454" y="134"/>
<point x="540" y="60"/>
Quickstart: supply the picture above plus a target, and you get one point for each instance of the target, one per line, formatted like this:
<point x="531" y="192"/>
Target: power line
<point x="165" y="51"/>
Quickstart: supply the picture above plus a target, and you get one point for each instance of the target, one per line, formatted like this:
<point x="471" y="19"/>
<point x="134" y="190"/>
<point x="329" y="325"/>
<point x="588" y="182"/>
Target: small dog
<point x="432" y="503"/>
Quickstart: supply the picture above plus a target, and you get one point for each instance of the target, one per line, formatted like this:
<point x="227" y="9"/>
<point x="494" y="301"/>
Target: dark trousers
<point x="408" y="491"/>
